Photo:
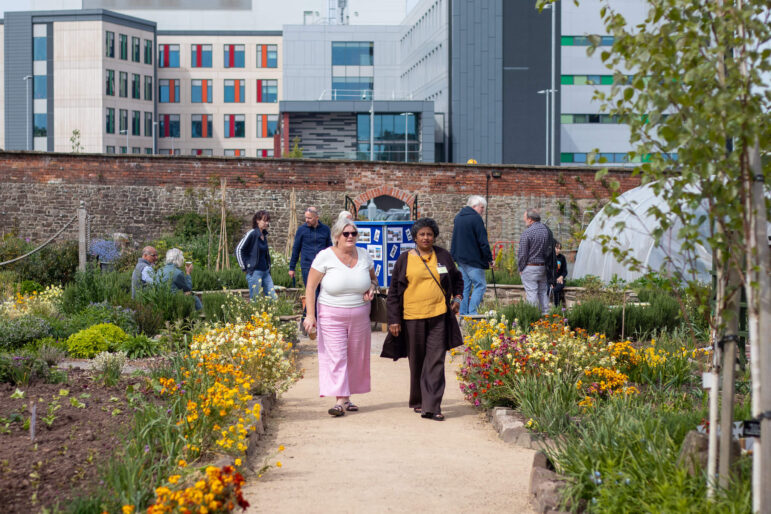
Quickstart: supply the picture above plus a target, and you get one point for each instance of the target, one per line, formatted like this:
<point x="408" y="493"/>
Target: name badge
<point x="441" y="269"/>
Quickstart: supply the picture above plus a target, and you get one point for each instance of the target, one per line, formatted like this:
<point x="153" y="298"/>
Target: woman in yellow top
<point x="424" y="296"/>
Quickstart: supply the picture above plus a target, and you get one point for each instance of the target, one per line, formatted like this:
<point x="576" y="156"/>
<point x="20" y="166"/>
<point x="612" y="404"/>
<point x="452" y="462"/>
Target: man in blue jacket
<point x="471" y="250"/>
<point x="309" y="240"/>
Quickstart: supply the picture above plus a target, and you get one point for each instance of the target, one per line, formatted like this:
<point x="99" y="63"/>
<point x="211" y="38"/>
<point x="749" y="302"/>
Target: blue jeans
<point x="474" y="285"/>
<point x="260" y="279"/>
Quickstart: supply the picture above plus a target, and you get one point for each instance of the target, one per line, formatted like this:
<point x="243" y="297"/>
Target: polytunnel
<point x="667" y="256"/>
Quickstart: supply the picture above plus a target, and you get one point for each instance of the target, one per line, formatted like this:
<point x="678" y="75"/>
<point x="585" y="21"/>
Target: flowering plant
<point x="104" y="250"/>
<point x="218" y="491"/>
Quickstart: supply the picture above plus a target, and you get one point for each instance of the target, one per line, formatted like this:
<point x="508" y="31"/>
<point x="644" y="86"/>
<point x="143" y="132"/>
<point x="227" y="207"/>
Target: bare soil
<point x="62" y="461"/>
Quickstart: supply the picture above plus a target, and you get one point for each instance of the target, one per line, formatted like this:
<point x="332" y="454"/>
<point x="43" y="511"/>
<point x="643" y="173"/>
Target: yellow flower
<point x="173" y="479"/>
<point x="182" y="463"/>
<point x="238" y="462"/>
<point x="278" y="464"/>
<point x="281" y="448"/>
<point x="127" y="509"/>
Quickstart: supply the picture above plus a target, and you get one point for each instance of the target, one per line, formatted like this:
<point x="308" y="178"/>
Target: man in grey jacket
<point x="143" y="272"/>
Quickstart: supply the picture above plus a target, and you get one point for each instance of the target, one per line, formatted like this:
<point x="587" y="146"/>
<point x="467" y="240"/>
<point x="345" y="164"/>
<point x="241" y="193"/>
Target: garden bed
<point x="63" y="460"/>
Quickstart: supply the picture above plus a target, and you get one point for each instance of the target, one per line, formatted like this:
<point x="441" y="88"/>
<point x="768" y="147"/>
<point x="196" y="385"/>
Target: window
<point x="135" y="49"/>
<point x="207" y="152"/>
<point x="136" y="123"/>
<point x="148" y="124"/>
<point x="40" y="86"/>
<point x="267" y="90"/>
<point x="234" y="56"/>
<point x="200" y="56"/>
<point x="109" y="46"/>
<point x="136" y="149"/>
<point x="168" y="151"/>
<point x="136" y="86"/>
<point x="234" y="91"/>
<point x="123" y="84"/>
<point x="266" y="125"/>
<point x="235" y="125"/>
<point x="40" y="128"/>
<point x="109" y="149"/>
<point x="149" y="151"/>
<point x="168" y="91"/>
<point x="123" y="47"/>
<point x="168" y="125"/>
<point x="353" y="53"/>
<point x="389" y="137"/>
<point x="109" y="126"/>
<point x="265" y="153"/>
<point x="123" y="114"/>
<point x="200" y="91"/>
<point x="148" y="51"/>
<point x="585" y="41"/>
<point x="201" y="125"/>
<point x="109" y="87"/>
<point x="588" y="80"/>
<point x="267" y="56"/>
<point x="148" y="88"/>
<point x="235" y="153"/>
<point x="352" y="88"/>
<point x="168" y="56"/>
<point x="123" y="149"/>
<point x="39" y="48"/>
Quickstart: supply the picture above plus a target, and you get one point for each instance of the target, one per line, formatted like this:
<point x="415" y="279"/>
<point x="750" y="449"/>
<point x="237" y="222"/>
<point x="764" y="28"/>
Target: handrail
<point x="41" y="246"/>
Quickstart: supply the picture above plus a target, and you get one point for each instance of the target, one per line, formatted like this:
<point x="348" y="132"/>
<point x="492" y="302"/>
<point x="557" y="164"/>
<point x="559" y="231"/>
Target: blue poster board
<point x="385" y="241"/>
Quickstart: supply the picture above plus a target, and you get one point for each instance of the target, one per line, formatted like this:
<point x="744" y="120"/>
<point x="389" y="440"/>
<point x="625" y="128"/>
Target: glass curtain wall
<point x="390" y="141"/>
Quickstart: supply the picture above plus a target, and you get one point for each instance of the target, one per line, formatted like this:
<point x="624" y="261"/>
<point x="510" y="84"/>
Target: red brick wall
<point x="135" y="193"/>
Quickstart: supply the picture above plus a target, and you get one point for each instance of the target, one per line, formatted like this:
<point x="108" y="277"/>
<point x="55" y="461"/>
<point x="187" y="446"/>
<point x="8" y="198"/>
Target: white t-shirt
<point x="342" y="286"/>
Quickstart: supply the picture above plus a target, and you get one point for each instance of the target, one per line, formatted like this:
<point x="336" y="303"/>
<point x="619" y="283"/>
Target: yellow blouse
<point x="423" y="298"/>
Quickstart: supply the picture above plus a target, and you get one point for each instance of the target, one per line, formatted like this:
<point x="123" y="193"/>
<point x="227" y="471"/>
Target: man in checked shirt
<point x="531" y="262"/>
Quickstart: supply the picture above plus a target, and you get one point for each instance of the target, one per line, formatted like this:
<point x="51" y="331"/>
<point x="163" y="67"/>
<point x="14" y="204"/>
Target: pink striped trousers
<point x="344" y="340"/>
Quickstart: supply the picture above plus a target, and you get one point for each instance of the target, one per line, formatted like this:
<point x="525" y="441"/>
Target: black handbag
<point x="378" y="311"/>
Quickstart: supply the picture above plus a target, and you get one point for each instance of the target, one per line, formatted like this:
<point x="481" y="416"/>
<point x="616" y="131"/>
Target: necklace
<point x="425" y="259"/>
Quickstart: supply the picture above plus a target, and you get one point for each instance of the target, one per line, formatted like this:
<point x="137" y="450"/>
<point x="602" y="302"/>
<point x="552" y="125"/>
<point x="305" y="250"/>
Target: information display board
<point x="385" y="241"/>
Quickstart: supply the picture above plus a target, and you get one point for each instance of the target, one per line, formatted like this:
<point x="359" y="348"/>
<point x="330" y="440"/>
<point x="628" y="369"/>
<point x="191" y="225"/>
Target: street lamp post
<point x="545" y="92"/>
<point x="154" y="149"/>
<point x="552" y="90"/>
<point x="28" y="80"/>
<point x="406" y="119"/>
<point x="371" y="124"/>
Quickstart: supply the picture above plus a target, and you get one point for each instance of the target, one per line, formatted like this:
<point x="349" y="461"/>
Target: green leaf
<point x="18" y="394"/>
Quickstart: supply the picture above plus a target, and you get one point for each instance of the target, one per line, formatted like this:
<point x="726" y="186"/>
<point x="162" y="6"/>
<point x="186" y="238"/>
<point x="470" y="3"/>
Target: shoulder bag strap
<point x="432" y="276"/>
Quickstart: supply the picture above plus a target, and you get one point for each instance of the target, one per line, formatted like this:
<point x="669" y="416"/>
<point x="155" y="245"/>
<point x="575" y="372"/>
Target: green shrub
<point x="171" y="305"/>
<point x="595" y="317"/>
<point x="140" y="346"/>
<point x="109" y="366"/>
<point x="526" y="314"/>
<point x="210" y="280"/>
<point x="149" y="320"/>
<point x="95" y="286"/>
<point x="663" y="313"/>
<point x="30" y="286"/>
<point x="103" y="312"/>
<point x="16" y="332"/>
<point x="53" y="264"/>
<point x="96" y="339"/>
<point x="52" y="353"/>
<point x="22" y="369"/>
<point x="551" y="401"/>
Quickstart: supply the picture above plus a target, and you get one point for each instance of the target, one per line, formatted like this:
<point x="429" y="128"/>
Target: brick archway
<point x="406" y="197"/>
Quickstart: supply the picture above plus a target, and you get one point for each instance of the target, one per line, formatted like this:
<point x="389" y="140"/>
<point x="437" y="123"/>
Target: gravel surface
<point x="386" y="458"/>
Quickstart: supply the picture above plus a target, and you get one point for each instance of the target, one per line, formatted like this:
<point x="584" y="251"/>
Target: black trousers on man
<point x="426" y="353"/>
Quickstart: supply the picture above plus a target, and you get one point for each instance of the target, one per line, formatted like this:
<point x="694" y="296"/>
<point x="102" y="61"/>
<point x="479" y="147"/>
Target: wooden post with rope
<point x="292" y="225"/>
<point x="223" y="257"/>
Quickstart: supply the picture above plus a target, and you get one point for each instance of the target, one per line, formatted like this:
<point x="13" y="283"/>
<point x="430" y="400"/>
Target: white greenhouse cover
<point x="636" y="237"/>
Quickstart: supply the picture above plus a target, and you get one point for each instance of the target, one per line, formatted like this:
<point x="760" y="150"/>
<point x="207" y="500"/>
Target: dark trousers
<point x="558" y="294"/>
<point x="426" y="340"/>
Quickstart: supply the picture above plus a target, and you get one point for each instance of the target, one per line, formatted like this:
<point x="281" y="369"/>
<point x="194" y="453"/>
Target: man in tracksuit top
<point x="254" y="256"/>
<point x="309" y="240"/>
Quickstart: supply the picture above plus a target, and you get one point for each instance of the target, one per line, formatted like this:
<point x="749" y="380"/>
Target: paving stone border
<point x="545" y="485"/>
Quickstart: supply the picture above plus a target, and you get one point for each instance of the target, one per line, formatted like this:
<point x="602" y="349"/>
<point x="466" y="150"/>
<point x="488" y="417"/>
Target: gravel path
<point x="386" y="458"/>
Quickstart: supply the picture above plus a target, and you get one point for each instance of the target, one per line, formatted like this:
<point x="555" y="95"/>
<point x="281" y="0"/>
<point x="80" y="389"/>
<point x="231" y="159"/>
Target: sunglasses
<point x="349" y="234"/>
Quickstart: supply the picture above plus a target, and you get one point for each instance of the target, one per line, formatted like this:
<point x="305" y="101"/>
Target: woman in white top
<point x="348" y="284"/>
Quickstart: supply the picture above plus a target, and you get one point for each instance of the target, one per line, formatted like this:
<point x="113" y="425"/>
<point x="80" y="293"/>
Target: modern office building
<point x="78" y="79"/>
<point x="491" y="80"/>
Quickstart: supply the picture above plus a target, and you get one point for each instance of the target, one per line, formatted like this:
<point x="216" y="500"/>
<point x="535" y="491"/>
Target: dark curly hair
<point x="260" y="215"/>
<point x="422" y="223"/>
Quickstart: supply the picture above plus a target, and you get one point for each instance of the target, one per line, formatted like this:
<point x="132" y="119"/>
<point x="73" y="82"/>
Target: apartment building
<point x="78" y="80"/>
<point x="218" y="92"/>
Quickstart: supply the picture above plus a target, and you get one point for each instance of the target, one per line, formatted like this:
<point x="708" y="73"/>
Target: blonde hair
<point x="339" y="226"/>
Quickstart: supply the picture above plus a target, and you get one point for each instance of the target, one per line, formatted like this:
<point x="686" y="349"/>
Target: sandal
<point x="350" y="406"/>
<point x="418" y="410"/>
<point x="430" y="415"/>
<point x="336" y="411"/>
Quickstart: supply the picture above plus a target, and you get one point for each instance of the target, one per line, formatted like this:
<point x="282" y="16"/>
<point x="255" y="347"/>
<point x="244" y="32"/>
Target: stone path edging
<point x="545" y="485"/>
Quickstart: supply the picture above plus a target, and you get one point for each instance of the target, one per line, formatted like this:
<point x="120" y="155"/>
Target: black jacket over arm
<point x="452" y="283"/>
